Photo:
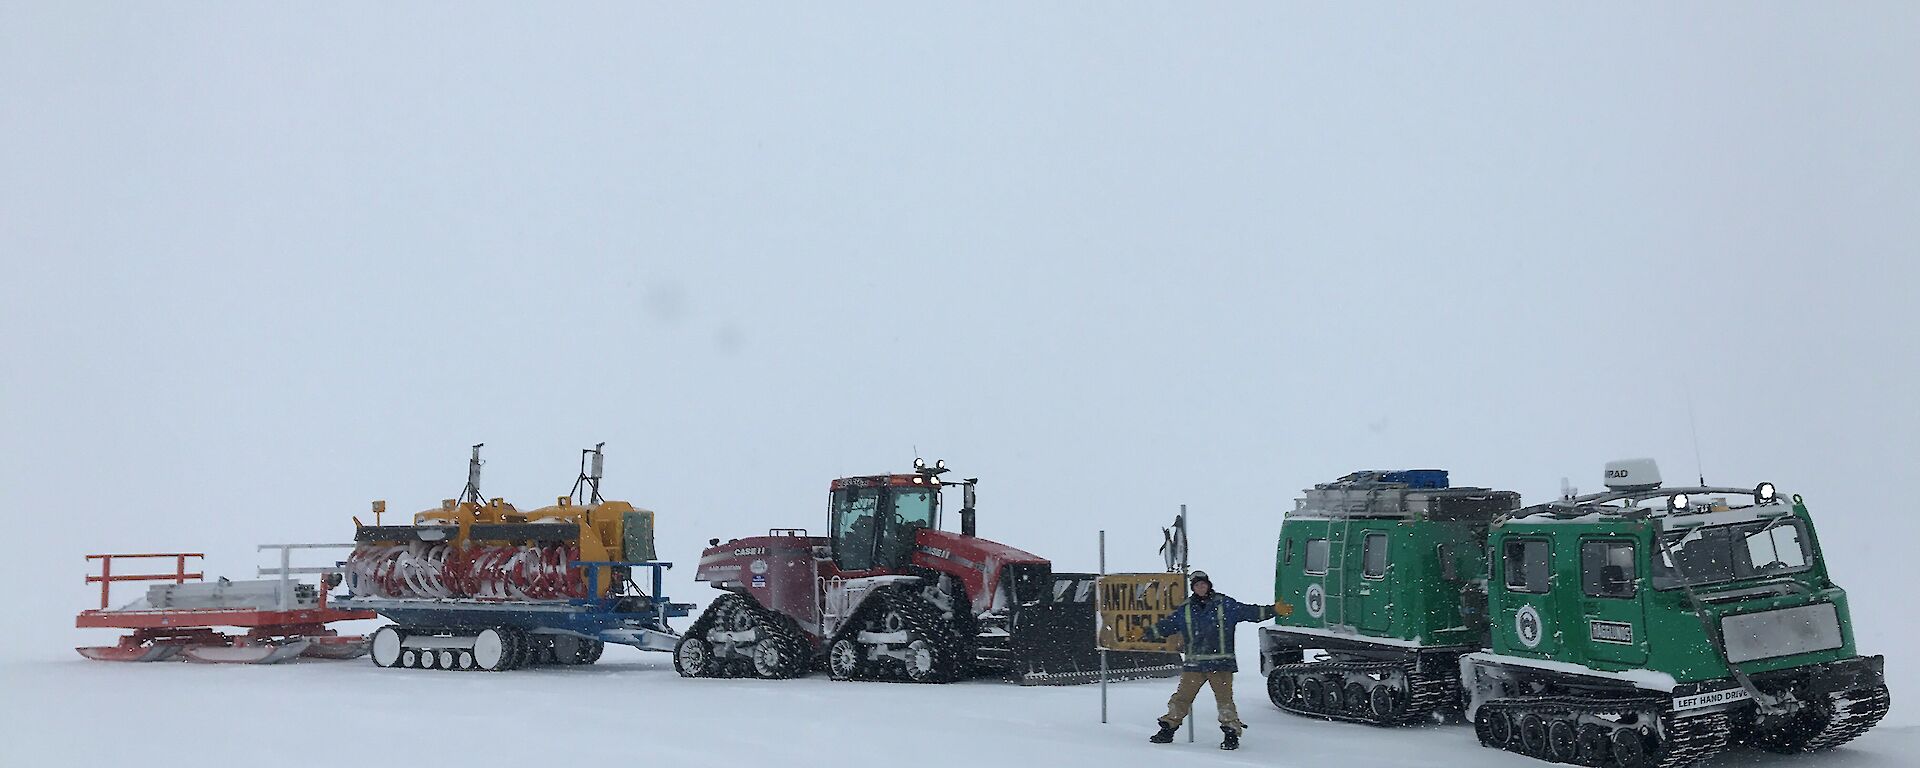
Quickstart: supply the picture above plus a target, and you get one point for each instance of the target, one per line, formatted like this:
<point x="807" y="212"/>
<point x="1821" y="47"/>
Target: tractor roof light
<point x="1677" y="502"/>
<point x="940" y="464"/>
<point x="1764" y="493"/>
<point x="919" y="463"/>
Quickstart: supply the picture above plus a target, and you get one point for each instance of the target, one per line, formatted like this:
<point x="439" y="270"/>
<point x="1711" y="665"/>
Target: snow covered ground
<point x="632" y="708"/>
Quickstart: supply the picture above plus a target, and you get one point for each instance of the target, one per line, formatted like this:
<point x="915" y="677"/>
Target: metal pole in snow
<point x="286" y="579"/>
<point x="1098" y="626"/>
<point x="1186" y="532"/>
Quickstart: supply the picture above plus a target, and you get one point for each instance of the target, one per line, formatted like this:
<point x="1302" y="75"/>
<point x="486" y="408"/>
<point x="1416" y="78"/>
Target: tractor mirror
<point x="1614" y="577"/>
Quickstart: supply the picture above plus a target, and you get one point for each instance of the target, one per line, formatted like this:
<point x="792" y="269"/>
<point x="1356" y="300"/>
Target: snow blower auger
<point x="479" y="584"/>
<point x="888" y="595"/>
<point x="283" y="618"/>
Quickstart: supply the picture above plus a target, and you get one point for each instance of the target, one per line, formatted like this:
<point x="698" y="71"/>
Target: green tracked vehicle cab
<point x="1653" y="625"/>
<point x="1378" y="569"/>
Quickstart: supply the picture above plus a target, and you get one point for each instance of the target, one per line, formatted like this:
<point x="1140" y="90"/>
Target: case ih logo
<point x="750" y="552"/>
<point x="936" y="552"/>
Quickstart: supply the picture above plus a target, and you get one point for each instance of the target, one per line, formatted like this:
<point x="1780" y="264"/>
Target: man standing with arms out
<point x="1206" y="620"/>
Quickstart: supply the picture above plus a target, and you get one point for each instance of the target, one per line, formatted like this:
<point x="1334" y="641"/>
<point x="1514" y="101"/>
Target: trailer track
<point x="1385" y="693"/>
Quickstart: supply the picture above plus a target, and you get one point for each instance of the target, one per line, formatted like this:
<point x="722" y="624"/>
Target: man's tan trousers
<point x="1181" y="704"/>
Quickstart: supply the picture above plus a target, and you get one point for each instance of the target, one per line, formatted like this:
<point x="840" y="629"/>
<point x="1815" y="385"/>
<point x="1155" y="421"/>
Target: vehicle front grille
<point x="1783" y="632"/>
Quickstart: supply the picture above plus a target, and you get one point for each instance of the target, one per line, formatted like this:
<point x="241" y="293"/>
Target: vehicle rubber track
<point x="924" y="620"/>
<point x="1414" y="700"/>
<point x="697" y="633"/>
<point x="1631" y="742"/>
<point x="779" y="630"/>
<point x="1846" y="715"/>
<point x="775" y="628"/>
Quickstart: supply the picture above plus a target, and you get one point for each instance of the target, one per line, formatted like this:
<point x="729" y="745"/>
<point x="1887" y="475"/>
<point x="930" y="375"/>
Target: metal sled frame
<point x="272" y="635"/>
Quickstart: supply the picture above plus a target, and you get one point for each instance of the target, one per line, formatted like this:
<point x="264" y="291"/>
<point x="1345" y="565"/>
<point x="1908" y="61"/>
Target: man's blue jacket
<point x="1208" y="623"/>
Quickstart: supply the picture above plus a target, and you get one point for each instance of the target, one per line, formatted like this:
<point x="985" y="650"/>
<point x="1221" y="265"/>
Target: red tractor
<point x="890" y="595"/>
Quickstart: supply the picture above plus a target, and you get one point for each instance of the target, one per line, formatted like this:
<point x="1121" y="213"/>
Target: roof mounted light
<point x="919" y="463"/>
<point x="1764" y="493"/>
<point x="1677" y="502"/>
<point x="940" y="464"/>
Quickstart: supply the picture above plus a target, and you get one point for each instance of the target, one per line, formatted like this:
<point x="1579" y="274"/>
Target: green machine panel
<point x="638" y="546"/>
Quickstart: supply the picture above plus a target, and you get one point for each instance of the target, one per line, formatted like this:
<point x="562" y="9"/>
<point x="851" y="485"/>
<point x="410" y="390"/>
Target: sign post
<point x="1103" y="647"/>
<point x="1184" y="570"/>
<point x="1130" y="604"/>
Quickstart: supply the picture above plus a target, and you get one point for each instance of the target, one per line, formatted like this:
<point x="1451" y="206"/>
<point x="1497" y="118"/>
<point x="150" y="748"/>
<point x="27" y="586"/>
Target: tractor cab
<point x="876" y="518"/>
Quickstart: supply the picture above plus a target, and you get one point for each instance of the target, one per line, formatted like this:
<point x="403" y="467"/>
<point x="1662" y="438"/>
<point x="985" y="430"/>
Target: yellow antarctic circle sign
<point x="1131" y="603"/>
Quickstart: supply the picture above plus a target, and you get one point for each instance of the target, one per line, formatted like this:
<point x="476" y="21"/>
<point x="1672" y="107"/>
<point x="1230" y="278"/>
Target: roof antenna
<point x="472" y="491"/>
<point x="593" y="462"/>
<point x="1698" y="467"/>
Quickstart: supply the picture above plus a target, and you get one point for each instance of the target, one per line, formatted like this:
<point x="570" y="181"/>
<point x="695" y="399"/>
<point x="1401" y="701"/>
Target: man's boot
<point x="1232" y="740"/>
<point x="1165" y="736"/>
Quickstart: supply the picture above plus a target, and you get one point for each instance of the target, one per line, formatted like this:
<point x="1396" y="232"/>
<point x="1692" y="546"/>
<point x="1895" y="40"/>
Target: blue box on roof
<point x="1418" y="478"/>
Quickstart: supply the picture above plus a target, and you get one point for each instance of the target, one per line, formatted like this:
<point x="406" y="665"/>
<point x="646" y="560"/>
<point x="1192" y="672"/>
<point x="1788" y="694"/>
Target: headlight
<point x="1764" y="493"/>
<point x="941" y="464"/>
<point x="919" y="463"/>
<point x="1677" y="502"/>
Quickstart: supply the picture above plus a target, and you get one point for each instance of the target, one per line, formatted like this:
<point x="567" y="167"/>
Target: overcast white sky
<point x="263" y="263"/>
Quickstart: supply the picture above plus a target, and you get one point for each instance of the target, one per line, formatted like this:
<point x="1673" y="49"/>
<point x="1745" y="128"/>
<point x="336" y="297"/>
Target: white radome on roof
<point x="1633" y="475"/>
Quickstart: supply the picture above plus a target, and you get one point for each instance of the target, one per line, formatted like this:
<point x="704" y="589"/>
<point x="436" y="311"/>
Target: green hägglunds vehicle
<point x="1642" y="626"/>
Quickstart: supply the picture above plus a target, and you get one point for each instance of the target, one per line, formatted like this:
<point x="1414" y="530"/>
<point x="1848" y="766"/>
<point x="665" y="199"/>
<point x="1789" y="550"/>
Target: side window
<point x="1528" y="565"/>
<point x="1288" y="560"/>
<point x="1316" y="556"/>
<point x="1606" y="569"/>
<point x="1373" y="556"/>
<point x="853" y="527"/>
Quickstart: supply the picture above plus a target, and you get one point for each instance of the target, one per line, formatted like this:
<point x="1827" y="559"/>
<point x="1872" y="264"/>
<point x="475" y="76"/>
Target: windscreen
<point x="1719" y="553"/>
